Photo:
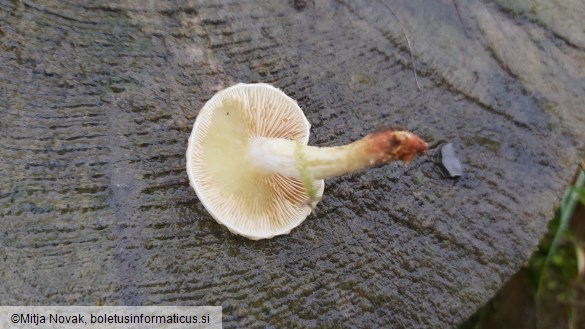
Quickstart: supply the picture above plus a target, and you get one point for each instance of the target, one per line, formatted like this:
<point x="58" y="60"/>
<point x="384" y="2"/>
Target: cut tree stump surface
<point x="97" y="100"/>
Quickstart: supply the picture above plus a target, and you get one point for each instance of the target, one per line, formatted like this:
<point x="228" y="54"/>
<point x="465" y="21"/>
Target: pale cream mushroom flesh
<point x="251" y="168"/>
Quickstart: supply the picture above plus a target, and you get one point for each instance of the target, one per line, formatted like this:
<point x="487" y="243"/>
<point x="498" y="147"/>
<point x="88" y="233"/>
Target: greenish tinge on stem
<point x="306" y="177"/>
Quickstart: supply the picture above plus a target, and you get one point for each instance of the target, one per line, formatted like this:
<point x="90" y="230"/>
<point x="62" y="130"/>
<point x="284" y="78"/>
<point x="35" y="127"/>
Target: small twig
<point x="407" y="42"/>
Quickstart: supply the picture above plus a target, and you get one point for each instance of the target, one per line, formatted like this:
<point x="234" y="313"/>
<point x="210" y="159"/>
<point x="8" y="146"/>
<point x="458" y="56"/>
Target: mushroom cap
<point x="248" y="201"/>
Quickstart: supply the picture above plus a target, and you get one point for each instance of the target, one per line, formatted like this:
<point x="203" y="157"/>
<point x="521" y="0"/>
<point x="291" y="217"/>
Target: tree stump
<point x="97" y="100"/>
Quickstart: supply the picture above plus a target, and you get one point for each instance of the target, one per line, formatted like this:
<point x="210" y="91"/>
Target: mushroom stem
<point x="282" y="155"/>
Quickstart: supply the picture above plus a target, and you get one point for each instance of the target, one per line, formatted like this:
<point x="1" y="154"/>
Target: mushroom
<point x="250" y="165"/>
